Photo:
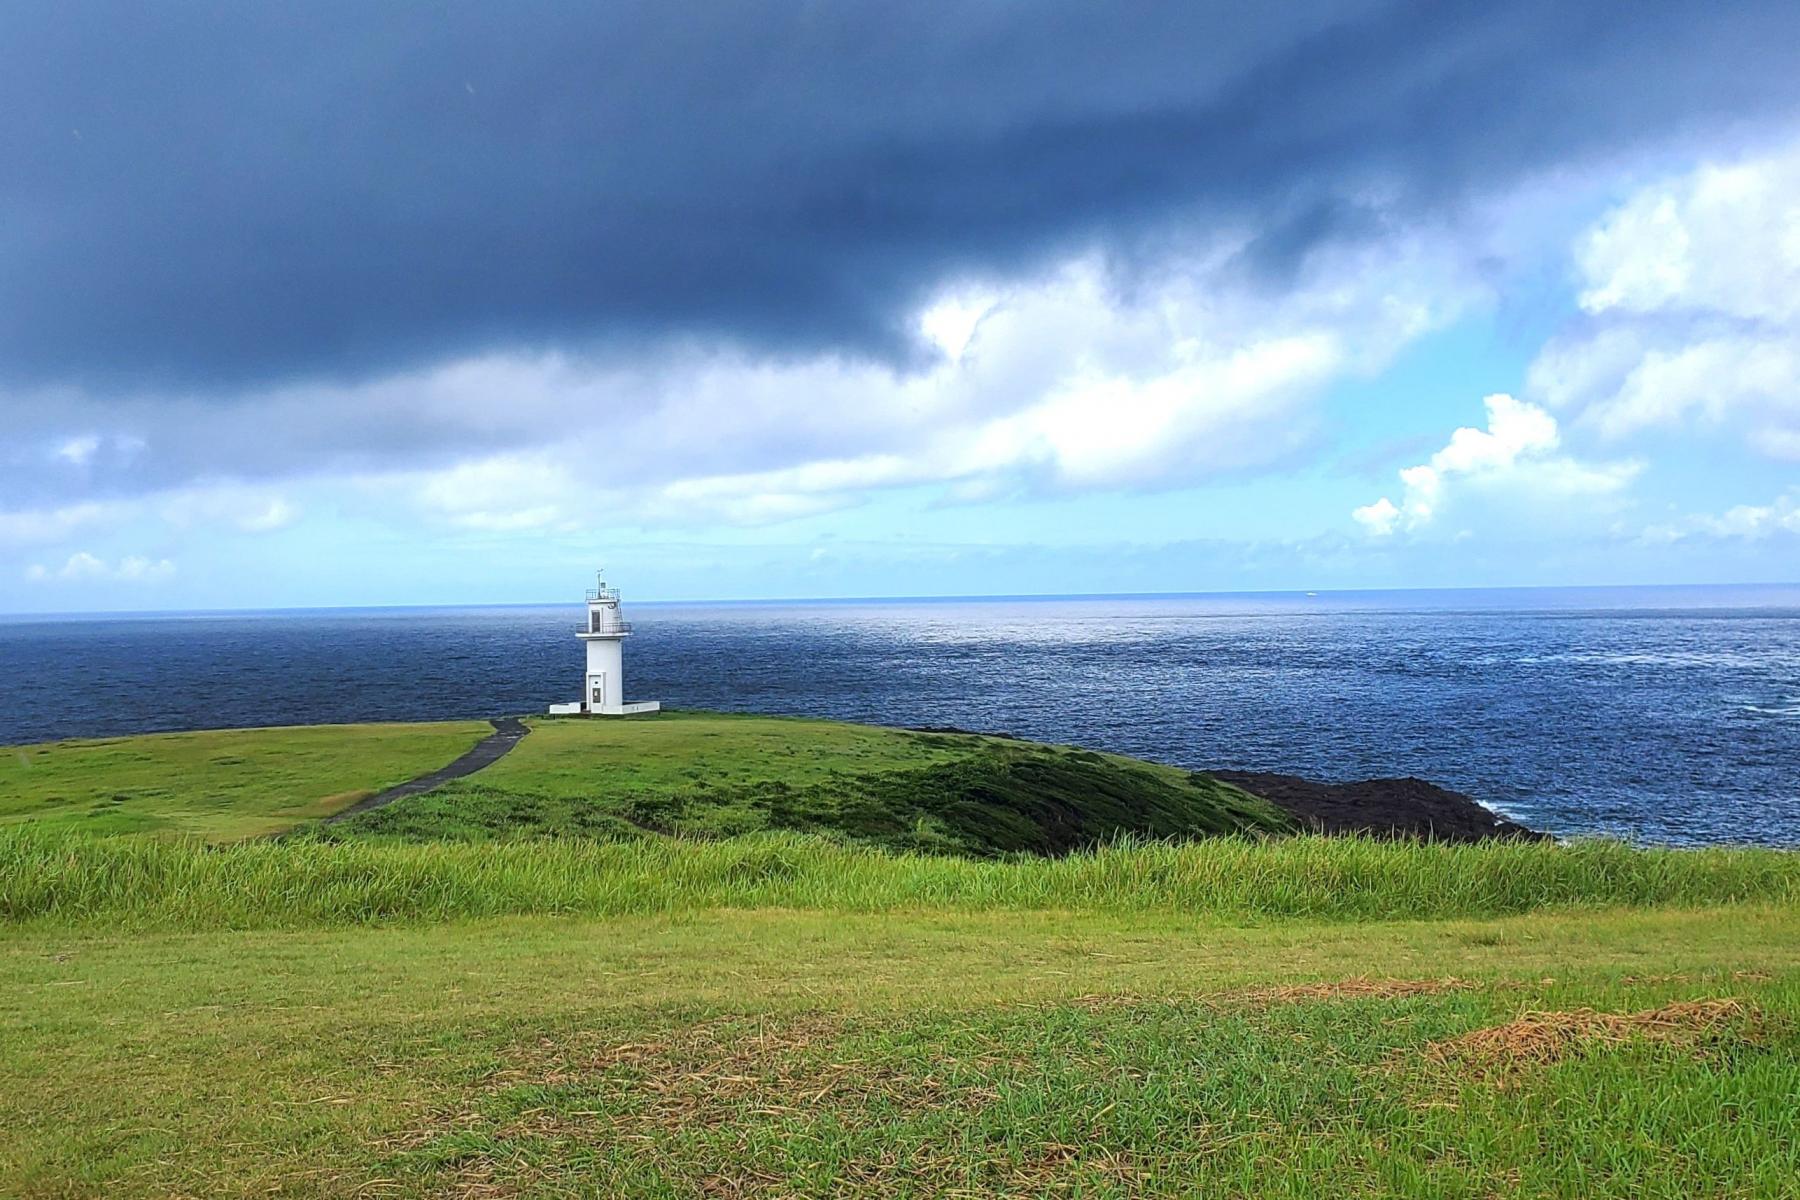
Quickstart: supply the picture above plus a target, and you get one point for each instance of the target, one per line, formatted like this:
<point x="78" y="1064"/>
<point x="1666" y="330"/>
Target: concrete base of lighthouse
<point x="578" y="709"/>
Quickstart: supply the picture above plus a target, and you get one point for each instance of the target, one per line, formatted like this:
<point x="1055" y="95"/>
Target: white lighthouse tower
<point x="604" y="631"/>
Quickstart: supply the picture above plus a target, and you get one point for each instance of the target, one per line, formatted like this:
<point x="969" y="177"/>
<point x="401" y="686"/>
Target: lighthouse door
<point x="597" y="692"/>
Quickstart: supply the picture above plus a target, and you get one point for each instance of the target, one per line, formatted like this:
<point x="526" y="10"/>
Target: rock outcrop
<point x="1406" y="808"/>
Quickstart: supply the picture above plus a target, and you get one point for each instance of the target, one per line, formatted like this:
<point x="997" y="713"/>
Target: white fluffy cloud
<point x="1692" y="290"/>
<point x="84" y="566"/>
<point x="248" y="509"/>
<point x="34" y="526"/>
<point x="1745" y="522"/>
<point x="79" y="450"/>
<point x="1515" y="456"/>
<point x="1074" y="382"/>
<point x="1724" y="239"/>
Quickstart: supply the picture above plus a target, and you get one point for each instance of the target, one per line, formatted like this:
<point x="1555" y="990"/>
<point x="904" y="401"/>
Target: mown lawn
<point x="786" y="1052"/>
<point x="219" y="784"/>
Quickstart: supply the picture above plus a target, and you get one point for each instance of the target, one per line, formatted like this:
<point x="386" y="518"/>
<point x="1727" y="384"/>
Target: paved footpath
<point x="506" y="735"/>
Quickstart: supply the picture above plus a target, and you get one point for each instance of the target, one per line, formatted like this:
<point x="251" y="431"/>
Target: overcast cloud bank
<point x="562" y="280"/>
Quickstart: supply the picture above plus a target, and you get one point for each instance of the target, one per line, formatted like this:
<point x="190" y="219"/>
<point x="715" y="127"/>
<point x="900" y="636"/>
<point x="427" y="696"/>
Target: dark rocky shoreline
<point x="1392" y="808"/>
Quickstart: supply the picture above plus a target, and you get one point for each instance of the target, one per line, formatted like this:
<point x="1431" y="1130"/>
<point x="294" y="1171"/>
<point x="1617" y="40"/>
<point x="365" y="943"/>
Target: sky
<point x="347" y="304"/>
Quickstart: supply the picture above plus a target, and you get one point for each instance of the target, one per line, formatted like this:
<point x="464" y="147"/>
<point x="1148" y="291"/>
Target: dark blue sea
<point x="1666" y="715"/>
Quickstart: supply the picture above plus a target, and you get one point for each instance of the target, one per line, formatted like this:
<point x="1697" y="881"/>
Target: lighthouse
<point x="604" y="632"/>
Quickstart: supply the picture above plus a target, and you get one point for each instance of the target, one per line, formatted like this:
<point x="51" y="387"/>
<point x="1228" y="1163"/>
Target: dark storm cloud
<point x="220" y="195"/>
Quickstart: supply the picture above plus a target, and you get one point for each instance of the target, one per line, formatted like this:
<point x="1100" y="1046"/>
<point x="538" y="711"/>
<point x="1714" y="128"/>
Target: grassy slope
<point x="219" y="784"/>
<point x="827" y="1053"/>
<point x="716" y="774"/>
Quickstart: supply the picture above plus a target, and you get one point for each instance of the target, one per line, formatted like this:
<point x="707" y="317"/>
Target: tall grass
<point x="146" y="882"/>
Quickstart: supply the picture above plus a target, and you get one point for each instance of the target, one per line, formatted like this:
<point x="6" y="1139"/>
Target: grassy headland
<point x="803" y="994"/>
<point x="722" y="775"/>
<point x="703" y="775"/>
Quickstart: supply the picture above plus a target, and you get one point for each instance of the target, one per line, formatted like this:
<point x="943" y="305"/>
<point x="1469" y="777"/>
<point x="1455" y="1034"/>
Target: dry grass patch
<point x="1358" y="988"/>
<point x="724" y="1078"/>
<point x="710" y="1073"/>
<point x="1057" y="1167"/>
<point x="1537" y="1039"/>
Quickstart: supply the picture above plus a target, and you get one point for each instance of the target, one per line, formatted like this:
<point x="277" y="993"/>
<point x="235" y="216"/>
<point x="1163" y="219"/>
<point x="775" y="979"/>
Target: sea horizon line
<point x="1296" y="594"/>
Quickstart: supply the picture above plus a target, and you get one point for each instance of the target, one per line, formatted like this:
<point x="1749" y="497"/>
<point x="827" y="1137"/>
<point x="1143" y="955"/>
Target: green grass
<point x="49" y="876"/>
<point x="464" y="997"/>
<point x="219" y="784"/>
<point x="693" y="774"/>
<point x="676" y="751"/>
<point x="717" y="775"/>
<point x="822" y="1053"/>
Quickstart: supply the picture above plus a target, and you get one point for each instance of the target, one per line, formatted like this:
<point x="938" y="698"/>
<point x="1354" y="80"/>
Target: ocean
<point x="1664" y="715"/>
